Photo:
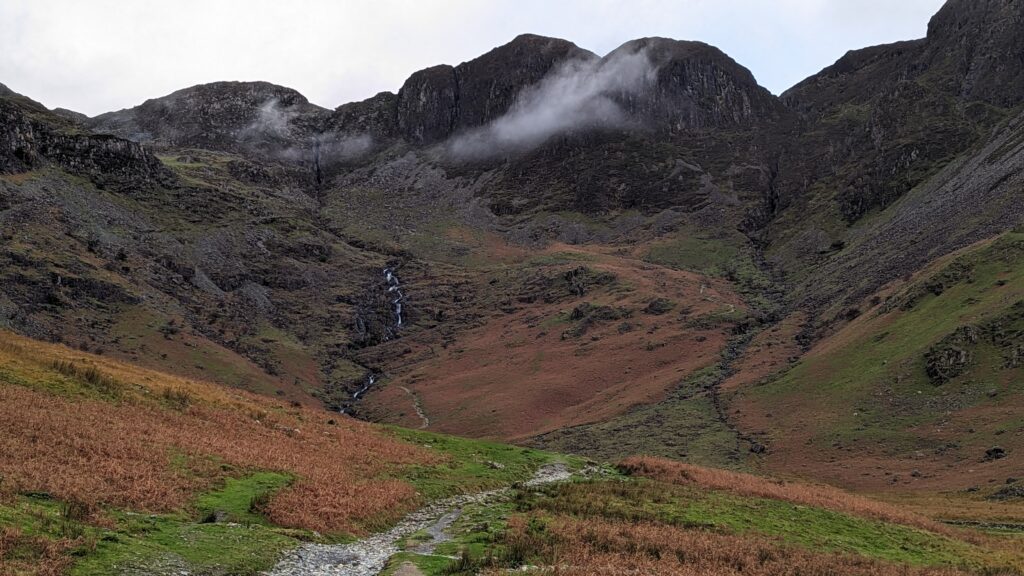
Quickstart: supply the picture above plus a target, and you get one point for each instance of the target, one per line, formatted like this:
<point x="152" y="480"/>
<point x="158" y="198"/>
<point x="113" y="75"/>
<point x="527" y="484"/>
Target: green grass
<point x="429" y="565"/>
<point x="723" y="258"/>
<point x="480" y="531"/>
<point x="685" y="427"/>
<point x="805" y="526"/>
<point x="693" y="253"/>
<point x="888" y="351"/>
<point x="473" y="465"/>
<point x="162" y="544"/>
<point x="242" y="542"/>
<point x="241" y="498"/>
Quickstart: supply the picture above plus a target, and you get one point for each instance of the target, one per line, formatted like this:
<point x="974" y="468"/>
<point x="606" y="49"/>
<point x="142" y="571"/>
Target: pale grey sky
<point x="99" y="55"/>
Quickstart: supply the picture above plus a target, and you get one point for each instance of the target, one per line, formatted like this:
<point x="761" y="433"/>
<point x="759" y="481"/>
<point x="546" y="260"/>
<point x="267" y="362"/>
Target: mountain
<point x="637" y="253"/>
<point x="640" y="252"/>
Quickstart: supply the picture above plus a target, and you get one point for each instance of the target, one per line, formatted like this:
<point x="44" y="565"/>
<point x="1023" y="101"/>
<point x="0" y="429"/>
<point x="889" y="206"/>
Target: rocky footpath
<point x="367" y="557"/>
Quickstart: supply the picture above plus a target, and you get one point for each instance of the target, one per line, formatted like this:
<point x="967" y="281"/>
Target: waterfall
<point x="370" y="379"/>
<point x="395" y="296"/>
<point x="395" y="288"/>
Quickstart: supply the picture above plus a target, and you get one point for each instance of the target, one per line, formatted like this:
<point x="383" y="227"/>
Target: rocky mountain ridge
<point x="239" y="219"/>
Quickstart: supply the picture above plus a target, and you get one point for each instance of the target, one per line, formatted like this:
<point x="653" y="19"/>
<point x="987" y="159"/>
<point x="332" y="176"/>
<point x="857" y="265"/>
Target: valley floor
<point x="127" y="474"/>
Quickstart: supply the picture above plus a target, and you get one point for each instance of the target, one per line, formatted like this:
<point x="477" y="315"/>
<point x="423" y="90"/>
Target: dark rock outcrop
<point x="881" y="120"/>
<point x="952" y="356"/>
<point x="245" y="117"/>
<point x="427" y="105"/>
<point x="435" y="103"/>
<point x="30" y="136"/>
<point x="696" y="86"/>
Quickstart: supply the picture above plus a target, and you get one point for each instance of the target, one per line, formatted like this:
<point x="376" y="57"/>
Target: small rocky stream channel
<point x="367" y="557"/>
<point x="395" y="297"/>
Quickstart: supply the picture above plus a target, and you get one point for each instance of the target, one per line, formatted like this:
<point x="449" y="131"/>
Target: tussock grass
<point x="24" y="554"/>
<point x="564" y="545"/>
<point x="99" y="453"/>
<point x="88" y="375"/>
<point x="826" y="497"/>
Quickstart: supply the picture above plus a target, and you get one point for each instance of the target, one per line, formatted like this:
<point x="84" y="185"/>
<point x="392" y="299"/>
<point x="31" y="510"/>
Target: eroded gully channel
<point x="396" y="296"/>
<point x="367" y="557"/>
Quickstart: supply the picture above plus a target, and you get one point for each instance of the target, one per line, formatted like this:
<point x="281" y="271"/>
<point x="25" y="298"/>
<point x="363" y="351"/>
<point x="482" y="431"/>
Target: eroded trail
<point x="368" y="556"/>
<point x="425" y="421"/>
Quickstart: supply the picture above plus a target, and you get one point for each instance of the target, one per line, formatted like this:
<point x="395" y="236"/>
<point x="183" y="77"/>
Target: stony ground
<point x="368" y="556"/>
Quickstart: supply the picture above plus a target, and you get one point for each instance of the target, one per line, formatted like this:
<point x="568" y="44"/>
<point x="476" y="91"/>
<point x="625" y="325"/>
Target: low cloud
<point x="338" y="147"/>
<point x="578" y="95"/>
<point x="274" y="122"/>
<point x="271" y="120"/>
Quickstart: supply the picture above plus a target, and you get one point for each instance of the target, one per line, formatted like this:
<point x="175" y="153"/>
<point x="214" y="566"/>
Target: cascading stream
<point x="370" y="379"/>
<point x="396" y="296"/>
<point x="395" y="288"/>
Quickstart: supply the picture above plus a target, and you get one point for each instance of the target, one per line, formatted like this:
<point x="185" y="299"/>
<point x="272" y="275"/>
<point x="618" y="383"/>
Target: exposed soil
<point x="526" y="372"/>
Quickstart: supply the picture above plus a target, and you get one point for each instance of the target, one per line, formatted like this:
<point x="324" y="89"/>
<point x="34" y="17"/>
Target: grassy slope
<point x="865" y="389"/>
<point x="104" y="539"/>
<point x="491" y="535"/>
<point x="225" y="519"/>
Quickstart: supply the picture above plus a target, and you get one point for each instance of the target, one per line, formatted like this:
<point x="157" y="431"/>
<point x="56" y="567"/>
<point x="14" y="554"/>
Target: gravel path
<point x="368" y="556"/>
<point x="425" y="422"/>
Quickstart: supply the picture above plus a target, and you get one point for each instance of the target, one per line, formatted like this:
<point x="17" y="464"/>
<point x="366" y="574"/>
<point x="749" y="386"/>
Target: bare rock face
<point x="437" y="102"/>
<point x="31" y="136"/>
<point x="978" y="43"/>
<point x="490" y="84"/>
<point x="696" y="86"/>
<point x="890" y="116"/>
<point x="246" y="117"/>
<point x="374" y="116"/>
<point x="427" y="105"/>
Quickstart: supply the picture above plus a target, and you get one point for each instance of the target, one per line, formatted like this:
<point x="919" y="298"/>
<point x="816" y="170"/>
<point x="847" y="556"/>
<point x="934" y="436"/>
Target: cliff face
<point x="30" y="136"/>
<point x="975" y="48"/>
<point x="249" y="117"/>
<point x="881" y="125"/>
<point x="427" y="105"/>
<point x="883" y="119"/>
<point x="697" y="86"/>
<point x="435" y="103"/>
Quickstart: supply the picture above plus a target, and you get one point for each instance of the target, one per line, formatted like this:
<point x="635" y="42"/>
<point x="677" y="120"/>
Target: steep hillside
<point x="932" y="121"/>
<point x="90" y="443"/>
<point x="920" y="392"/>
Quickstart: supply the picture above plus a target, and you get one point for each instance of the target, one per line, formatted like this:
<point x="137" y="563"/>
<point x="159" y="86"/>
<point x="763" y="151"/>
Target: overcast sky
<point x="99" y="55"/>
